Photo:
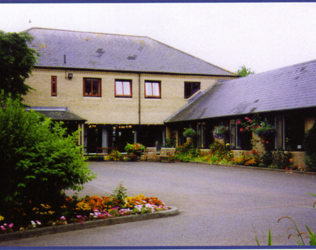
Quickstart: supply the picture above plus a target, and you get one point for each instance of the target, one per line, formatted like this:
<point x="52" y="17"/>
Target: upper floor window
<point x="91" y="87"/>
<point x="123" y="88"/>
<point x="190" y="88"/>
<point x="152" y="89"/>
<point x="54" y="85"/>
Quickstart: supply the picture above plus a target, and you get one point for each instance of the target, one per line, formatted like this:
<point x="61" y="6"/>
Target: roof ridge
<point x="78" y="31"/>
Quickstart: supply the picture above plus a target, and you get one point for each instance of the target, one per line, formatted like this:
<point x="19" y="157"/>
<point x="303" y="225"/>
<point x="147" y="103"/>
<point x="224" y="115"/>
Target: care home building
<point x="115" y="88"/>
<point x="285" y="97"/>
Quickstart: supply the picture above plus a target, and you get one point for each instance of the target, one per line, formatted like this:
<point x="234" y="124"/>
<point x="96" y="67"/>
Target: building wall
<point x="107" y="109"/>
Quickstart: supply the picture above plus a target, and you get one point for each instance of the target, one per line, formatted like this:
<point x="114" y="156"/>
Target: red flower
<point x="238" y="121"/>
<point x="253" y="127"/>
<point x="262" y="140"/>
<point x="267" y="142"/>
<point x="247" y="128"/>
<point x="258" y="126"/>
<point x="247" y="153"/>
<point x="246" y="118"/>
<point x="241" y="129"/>
<point x="249" y="120"/>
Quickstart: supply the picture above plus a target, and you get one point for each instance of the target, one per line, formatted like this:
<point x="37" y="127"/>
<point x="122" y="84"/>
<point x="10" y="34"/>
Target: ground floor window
<point x="200" y="129"/>
<point x="238" y="137"/>
<point x="290" y="131"/>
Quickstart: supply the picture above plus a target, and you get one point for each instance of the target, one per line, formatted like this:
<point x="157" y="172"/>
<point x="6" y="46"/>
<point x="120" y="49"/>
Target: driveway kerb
<point x="258" y="168"/>
<point x="88" y="224"/>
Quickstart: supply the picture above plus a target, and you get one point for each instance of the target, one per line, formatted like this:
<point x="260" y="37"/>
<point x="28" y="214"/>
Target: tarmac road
<point x="219" y="206"/>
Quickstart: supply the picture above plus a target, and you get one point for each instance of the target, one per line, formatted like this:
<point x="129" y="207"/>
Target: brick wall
<point x="107" y="109"/>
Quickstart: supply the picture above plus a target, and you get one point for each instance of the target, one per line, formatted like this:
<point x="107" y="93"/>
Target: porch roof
<point x="101" y="51"/>
<point x="58" y="114"/>
<point x="287" y="88"/>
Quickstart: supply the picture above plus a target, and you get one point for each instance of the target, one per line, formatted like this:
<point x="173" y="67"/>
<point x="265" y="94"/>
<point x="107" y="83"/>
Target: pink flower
<point x="10" y="225"/>
<point x="2" y="228"/>
<point x="249" y="120"/>
<point x="62" y="218"/>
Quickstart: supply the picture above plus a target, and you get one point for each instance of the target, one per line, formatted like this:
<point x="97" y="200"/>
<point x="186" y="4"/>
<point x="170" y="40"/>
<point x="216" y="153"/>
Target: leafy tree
<point x="16" y="63"/>
<point x="38" y="160"/>
<point x="243" y="71"/>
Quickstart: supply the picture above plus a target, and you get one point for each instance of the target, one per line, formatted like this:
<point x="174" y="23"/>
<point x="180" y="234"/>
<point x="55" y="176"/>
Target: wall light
<point x="70" y="76"/>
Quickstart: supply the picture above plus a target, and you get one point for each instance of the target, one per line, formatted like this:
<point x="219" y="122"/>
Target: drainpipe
<point x="139" y="109"/>
<point x="139" y="106"/>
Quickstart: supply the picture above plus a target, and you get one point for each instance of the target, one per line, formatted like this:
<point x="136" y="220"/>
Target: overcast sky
<point x="261" y="36"/>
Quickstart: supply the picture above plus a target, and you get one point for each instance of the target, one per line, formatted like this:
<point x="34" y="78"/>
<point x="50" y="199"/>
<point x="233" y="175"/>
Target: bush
<point x="189" y="133"/>
<point x="38" y="160"/>
<point x="281" y="159"/>
<point x="220" y="154"/>
<point x="310" y="146"/>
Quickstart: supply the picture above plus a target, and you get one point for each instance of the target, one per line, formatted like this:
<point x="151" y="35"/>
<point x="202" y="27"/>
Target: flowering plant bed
<point x="81" y="210"/>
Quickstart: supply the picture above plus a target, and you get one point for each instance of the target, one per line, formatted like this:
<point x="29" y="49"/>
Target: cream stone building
<point x="116" y="88"/>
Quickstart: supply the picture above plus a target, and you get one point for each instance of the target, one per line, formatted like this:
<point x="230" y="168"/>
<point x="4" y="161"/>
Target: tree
<point x="38" y="160"/>
<point x="243" y="71"/>
<point x="16" y="63"/>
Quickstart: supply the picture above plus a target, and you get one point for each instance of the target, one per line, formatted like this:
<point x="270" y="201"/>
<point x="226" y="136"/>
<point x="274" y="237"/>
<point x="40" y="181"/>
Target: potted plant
<point x="136" y="149"/>
<point x="189" y="133"/>
<point x="264" y="129"/>
<point x="219" y="132"/>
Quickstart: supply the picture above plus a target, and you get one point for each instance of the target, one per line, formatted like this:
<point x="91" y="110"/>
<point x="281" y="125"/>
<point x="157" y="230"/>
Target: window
<point x="54" y="85"/>
<point x="290" y="131"/>
<point x="123" y="88"/>
<point x="91" y="87"/>
<point x="201" y="135"/>
<point x="191" y="88"/>
<point x="152" y="89"/>
<point x="239" y="138"/>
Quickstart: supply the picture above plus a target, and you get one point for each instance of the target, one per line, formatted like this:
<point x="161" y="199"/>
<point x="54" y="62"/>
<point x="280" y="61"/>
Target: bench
<point x="151" y="153"/>
<point x="167" y="153"/>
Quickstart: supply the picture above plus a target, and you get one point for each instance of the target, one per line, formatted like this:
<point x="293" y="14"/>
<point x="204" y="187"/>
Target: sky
<point x="261" y="36"/>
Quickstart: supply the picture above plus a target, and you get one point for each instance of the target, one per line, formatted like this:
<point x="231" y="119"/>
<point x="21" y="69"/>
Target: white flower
<point x="33" y="223"/>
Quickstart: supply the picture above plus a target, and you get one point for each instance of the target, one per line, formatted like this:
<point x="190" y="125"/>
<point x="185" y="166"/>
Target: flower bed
<point x="75" y="210"/>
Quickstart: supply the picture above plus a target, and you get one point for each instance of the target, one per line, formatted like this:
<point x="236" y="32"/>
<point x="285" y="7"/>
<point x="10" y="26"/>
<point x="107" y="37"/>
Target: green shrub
<point x="38" y="160"/>
<point x="189" y="132"/>
<point x="281" y="159"/>
<point x="310" y="146"/>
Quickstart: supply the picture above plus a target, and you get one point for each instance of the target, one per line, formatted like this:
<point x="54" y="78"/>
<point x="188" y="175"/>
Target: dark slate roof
<point x="99" y="51"/>
<point x="287" y="88"/>
<point x="58" y="114"/>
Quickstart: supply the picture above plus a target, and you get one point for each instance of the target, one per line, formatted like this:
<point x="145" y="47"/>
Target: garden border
<point x="88" y="224"/>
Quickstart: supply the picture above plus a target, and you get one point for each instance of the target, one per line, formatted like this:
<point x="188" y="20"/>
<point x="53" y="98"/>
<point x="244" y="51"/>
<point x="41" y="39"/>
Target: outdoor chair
<point x="167" y="153"/>
<point x="151" y="153"/>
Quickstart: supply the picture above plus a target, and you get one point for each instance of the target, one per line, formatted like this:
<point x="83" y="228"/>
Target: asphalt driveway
<point x="219" y="206"/>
